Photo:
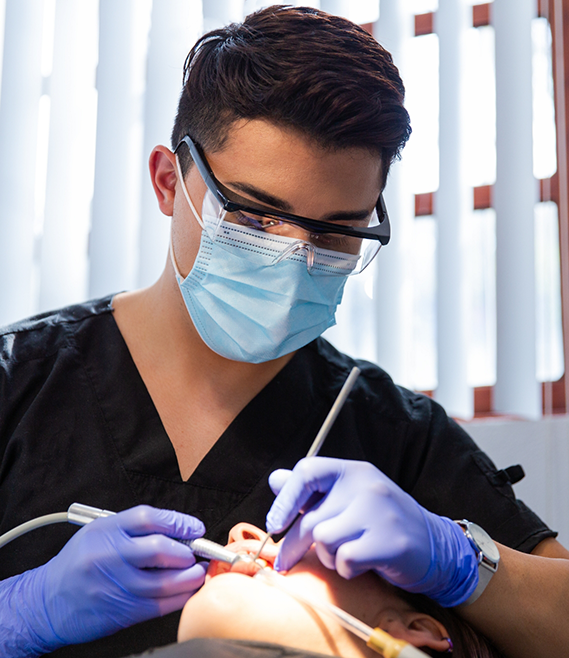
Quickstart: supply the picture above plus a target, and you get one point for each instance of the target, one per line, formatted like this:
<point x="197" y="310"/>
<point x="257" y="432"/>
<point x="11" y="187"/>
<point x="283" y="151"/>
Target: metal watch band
<point x="487" y="555"/>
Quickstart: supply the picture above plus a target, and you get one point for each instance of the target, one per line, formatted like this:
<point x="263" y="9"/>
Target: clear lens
<point x="324" y="253"/>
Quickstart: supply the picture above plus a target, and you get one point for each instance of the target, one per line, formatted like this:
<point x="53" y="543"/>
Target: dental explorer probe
<point x="79" y="514"/>
<point x="323" y="433"/>
<point x="375" y="638"/>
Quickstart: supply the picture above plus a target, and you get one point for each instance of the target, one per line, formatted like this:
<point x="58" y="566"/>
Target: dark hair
<point x="467" y="643"/>
<point x="298" y="68"/>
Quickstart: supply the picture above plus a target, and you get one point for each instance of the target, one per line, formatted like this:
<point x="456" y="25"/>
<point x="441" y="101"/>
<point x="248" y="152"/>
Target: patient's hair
<point x="467" y="643"/>
<point x="298" y="68"/>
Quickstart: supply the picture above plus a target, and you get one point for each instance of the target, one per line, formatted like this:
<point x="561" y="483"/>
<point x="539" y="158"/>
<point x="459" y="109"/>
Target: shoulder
<point x="43" y="335"/>
<point x="374" y="388"/>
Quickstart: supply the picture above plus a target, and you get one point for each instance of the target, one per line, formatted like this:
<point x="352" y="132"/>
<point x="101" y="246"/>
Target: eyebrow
<point x="280" y="204"/>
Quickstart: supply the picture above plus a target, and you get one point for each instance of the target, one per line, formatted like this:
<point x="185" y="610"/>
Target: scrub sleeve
<point x="78" y="425"/>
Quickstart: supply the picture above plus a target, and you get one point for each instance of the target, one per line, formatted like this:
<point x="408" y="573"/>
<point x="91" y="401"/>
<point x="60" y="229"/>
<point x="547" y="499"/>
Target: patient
<point x="234" y="605"/>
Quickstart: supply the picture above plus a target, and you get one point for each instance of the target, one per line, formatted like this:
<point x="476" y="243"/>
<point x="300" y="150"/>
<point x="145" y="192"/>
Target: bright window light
<point x="424" y="347"/>
<point x="480" y="287"/>
<point x="548" y="293"/>
<point x="421" y="6"/>
<point x="544" y="134"/>
<point x="480" y="107"/>
<point x="422" y="102"/>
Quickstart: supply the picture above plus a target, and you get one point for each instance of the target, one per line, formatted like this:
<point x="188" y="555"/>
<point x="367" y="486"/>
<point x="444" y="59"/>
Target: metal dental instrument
<point x="82" y="514"/>
<point x="79" y="514"/>
<point x="334" y="411"/>
<point x="326" y="427"/>
<point x="375" y="638"/>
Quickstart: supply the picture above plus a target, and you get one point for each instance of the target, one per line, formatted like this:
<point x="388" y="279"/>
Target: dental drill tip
<point x="263" y="543"/>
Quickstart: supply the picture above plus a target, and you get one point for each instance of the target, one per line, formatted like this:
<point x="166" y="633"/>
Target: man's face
<point x="279" y="168"/>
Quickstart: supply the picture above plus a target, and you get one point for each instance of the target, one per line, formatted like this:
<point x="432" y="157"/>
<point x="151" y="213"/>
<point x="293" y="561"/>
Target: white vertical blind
<point x="64" y="132"/>
<point x="19" y="104"/>
<point x="361" y="12"/>
<point x="217" y="13"/>
<point x="453" y="202"/>
<point x="175" y="26"/>
<point x="517" y="390"/>
<point x="113" y="241"/>
<point x="69" y="183"/>
<point x="393" y="276"/>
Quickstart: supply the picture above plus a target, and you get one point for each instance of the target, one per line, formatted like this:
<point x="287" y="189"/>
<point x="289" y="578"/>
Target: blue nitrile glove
<point x="364" y="521"/>
<point x="114" y="572"/>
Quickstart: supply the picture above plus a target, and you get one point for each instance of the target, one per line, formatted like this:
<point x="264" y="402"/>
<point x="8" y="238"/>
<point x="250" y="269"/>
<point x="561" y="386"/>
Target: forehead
<point x="291" y="166"/>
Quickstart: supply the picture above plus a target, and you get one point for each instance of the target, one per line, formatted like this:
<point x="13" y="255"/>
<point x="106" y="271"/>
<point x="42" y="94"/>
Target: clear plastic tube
<point x="375" y="638"/>
<point x="348" y="621"/>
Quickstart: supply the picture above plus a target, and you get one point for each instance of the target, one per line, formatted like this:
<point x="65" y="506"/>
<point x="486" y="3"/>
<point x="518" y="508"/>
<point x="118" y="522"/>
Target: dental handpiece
<point x="80" y="514"/>
<point x="83" y="514"/>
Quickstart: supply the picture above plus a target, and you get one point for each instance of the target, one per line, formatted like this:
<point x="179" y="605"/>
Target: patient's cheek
<point x="232" y="606"/>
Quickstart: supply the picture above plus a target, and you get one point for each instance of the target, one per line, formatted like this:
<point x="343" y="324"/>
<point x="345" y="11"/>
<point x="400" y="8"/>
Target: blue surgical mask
<point x="246" y="303"/>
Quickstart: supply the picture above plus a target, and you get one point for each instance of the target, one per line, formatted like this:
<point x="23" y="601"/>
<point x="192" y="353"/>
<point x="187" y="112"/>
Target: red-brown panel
<point x="424" y="24"/>
<point x="558" y="16"/>
<point x="424" y="204"/>
<point x="481" y="14"/>
<point x="549" y="189"/>
<point x="368" y="27"/>
<point x="553" y="395"/>
<point x="483" y="400"/>
<point x="483" y="197"/>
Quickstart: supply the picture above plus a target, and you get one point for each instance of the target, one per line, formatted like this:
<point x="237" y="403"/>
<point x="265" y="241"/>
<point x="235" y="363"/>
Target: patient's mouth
<point x="247" y="566"/>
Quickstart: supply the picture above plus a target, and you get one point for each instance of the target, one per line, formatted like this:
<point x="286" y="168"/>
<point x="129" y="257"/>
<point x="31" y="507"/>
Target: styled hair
<point x="298" y="68"/>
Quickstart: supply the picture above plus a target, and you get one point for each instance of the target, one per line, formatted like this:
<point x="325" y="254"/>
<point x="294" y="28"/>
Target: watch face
<point x="484" y="541"/>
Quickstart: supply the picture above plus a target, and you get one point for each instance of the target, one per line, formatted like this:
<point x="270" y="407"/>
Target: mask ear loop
<point x="192" y="208"/>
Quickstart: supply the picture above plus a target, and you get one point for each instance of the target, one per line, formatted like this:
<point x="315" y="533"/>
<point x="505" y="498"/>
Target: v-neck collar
<point x="257" y="435"/>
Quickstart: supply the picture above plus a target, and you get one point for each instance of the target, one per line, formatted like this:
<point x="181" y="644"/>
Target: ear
<point x="243" y="531"/>
<point x="164" y="176"/>
<point x="417" y="628"/>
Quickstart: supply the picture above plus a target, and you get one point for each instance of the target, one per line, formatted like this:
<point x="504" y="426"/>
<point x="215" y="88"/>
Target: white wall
<point x="542" y="448"/>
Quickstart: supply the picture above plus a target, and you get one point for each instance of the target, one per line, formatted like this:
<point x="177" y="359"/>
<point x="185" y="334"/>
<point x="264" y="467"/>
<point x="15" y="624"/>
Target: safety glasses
<point x="337" y="248"/>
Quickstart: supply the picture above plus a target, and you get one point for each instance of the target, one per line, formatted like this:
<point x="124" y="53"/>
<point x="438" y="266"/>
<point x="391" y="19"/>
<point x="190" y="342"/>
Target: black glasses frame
<point x="381" y="232"/>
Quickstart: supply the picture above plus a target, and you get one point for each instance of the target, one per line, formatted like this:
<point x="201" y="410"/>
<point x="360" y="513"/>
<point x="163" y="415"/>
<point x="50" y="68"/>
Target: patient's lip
<point x="248" y="547"/>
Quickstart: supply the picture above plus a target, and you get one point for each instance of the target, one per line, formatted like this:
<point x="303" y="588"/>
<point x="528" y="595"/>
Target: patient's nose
<point x="244" y="531"/>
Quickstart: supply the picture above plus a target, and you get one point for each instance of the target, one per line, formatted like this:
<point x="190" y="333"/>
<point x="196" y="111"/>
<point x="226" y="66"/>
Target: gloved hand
<point x="365" y="522"/>
<point x="114" y="572"/>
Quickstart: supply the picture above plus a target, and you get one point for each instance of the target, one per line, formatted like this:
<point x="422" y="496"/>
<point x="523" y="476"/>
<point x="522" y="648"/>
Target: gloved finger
<point x="294" y="545"/>
<point x="155" y="551"/>
<point x="332" y="533"/>
<point x="314" y="474"/>
<point x="146" y="520"/>
<point x="327" y="558"/>
<point x="161" y="583"/>
<point x="354" y="558"/>
<point x="278" y="478"/>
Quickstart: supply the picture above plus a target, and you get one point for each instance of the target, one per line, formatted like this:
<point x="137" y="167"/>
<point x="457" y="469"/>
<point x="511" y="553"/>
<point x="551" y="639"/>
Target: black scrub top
<point x="77" y="424"/>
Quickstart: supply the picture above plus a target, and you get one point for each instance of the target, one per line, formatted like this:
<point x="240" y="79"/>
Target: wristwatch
<point x="487" y="555"/>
